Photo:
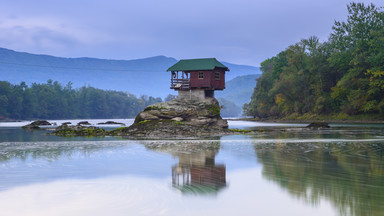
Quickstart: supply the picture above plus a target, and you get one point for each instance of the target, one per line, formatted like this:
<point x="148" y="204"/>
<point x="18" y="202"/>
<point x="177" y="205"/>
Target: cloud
<point x="242" y="32"/>
<point x="46" y="34"/>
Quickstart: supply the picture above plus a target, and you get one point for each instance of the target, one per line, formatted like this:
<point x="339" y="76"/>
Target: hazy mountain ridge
<point x="239" y="90"/>
<point x="139" y="76"/>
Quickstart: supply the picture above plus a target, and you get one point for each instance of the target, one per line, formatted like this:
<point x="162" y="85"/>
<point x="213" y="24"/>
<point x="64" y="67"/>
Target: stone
<point x="35" y="125"/>
<point x="110" y="123"/>
<point x="179" y="119"/>
<point x="84" y="123"/>
<point x="30" y="127"/>
<point x="148" y="116"/>
<point x="41" y="122"/>
<point x="318" y="125"/>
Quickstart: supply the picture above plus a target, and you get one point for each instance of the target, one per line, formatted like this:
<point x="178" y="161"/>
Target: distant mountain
<point x="141" y="76"/>
<point x="238" y="91"/>
<point x="239" y="70"/>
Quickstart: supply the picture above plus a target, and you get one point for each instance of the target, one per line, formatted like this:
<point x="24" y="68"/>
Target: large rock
<point x="186" y="109"/>
<point x="179" y="117"/>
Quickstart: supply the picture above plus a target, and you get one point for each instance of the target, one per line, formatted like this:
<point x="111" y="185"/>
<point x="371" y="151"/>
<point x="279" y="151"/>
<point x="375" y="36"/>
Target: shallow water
<point x="280" y="170"/>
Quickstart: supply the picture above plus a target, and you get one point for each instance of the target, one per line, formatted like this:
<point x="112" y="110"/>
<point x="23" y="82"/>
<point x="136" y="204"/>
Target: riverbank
<point x="309" y="118"/>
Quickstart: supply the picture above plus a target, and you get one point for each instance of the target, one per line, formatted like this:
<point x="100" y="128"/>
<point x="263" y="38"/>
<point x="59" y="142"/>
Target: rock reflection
<point x="197" y="171"/>
<point x="350" y="175"/>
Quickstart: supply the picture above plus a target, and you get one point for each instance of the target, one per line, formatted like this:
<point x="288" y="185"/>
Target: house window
<point x="217" y="75"/>
<point x="201" y="75"/>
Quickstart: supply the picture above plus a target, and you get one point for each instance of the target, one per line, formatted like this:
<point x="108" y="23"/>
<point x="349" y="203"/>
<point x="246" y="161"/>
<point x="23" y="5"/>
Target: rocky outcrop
<point x="176" y="118"/>
<point x="179" y="117"/>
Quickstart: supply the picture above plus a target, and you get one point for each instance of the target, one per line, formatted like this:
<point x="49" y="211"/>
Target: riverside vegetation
<point x="54" y="101"/>
<point x="341" y="78"/>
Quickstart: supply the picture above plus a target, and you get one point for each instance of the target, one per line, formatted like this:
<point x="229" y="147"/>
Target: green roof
<point x="197" y="64"/>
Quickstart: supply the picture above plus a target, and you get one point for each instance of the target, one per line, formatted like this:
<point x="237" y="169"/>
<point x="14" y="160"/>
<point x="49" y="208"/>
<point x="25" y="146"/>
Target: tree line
<point x="343" y="75"/>
<point x="52" y="100"/>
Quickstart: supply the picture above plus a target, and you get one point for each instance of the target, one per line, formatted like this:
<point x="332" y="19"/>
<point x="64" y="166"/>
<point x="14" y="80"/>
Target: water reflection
<point x="333" y="133"/>
<point x="24" y="163"/>
<point x="197" y="171"/>
<point x="350" y="175"/>
<point x="51" y="151"/>
<point x="327" y="169"/>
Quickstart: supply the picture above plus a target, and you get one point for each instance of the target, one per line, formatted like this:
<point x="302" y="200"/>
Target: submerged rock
<point x="84" y="123"/>
<point x="318" y="125"/>
<point x="35" y="125"/>
<point x="110" y="123"/>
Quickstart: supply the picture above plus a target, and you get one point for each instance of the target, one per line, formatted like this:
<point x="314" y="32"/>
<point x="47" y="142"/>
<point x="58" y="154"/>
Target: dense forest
<point x="341" y="77"/>
<point x="54" y="101"/>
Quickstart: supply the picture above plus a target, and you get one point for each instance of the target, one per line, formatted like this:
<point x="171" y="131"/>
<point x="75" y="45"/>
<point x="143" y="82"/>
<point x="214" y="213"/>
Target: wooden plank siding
<point x="209" y="80"/>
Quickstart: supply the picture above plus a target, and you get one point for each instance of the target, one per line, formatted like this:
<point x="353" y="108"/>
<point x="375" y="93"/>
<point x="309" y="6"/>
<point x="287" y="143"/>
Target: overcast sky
<point x="236" y="31"/>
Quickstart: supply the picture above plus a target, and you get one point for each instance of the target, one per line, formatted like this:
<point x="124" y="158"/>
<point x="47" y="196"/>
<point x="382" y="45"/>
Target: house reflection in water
<point x="197" y="173"/>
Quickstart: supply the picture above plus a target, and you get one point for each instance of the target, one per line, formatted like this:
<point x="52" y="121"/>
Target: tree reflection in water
<point x="349" y="174"/>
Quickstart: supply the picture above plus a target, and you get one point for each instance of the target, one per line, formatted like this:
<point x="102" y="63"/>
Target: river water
<point x="281" y="170"/>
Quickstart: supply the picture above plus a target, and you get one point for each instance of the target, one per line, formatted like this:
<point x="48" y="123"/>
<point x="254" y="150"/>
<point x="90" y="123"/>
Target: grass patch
<point x="240" y="130"/>
<point x="177" y="123"/>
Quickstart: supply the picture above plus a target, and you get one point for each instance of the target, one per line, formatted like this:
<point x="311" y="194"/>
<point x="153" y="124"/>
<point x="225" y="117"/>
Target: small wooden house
<point x="198" y="78"/>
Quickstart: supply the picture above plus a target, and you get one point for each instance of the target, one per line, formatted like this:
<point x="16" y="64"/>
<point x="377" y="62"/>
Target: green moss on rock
<point x="79" y="131"/>
<point x="153" y="107"/>
<point x="214" y="110"/>
<point x="240" y="130"/>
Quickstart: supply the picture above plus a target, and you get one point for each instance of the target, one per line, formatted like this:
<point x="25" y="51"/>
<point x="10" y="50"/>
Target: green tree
<point x="344" y="74"/>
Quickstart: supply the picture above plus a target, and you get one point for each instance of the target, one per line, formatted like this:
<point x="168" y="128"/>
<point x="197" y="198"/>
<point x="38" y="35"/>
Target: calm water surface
<point x="282" y="170"/>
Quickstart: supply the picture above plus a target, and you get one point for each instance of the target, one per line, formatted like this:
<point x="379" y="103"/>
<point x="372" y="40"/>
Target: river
<point x="281" y="170"/>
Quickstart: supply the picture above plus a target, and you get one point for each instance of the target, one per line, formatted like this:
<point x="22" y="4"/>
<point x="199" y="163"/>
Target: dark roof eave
<point x="197" y="65"/>
<point x="226" y="69"/>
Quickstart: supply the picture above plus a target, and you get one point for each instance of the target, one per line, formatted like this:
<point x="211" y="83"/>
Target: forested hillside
<point x="54" y="101"/>
<point x="343" y="76"/>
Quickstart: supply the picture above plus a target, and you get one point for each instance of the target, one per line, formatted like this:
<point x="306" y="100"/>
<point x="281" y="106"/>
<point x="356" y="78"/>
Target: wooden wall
<point x="209" y="80"/>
